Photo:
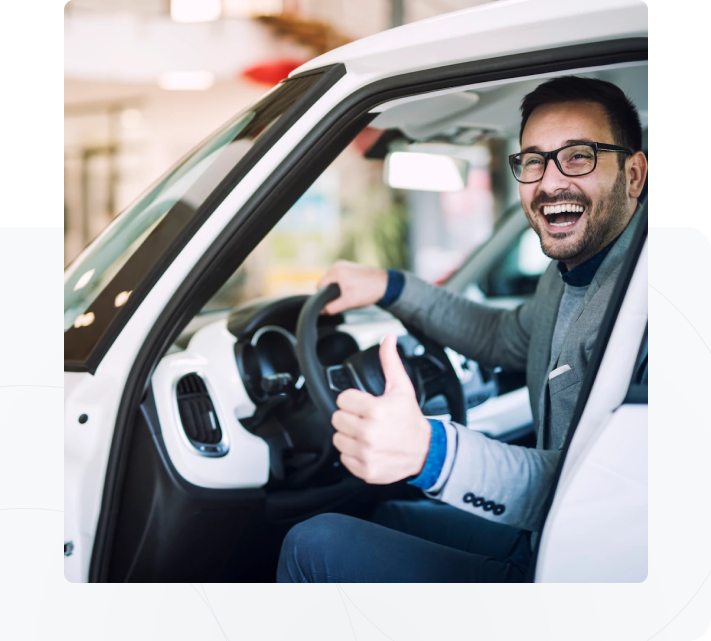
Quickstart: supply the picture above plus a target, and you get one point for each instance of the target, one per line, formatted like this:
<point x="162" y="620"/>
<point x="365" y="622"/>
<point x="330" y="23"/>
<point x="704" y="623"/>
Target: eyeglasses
<point x="572" y="160"/>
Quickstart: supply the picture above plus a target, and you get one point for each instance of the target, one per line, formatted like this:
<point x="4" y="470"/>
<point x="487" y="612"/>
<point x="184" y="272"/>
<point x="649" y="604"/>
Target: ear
<point x="637" y="172"/>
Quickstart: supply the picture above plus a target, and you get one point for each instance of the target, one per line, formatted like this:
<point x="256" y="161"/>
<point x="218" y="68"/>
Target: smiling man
<point x="580" y="172"/>
<point x="575" y="216"/>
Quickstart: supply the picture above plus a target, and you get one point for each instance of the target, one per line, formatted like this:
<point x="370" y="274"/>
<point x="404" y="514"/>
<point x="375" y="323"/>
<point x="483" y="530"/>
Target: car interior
<point x="232" y="444"/>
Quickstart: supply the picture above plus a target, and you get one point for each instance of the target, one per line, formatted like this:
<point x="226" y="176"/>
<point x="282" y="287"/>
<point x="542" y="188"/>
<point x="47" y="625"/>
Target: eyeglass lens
<point x="575" y="161"/>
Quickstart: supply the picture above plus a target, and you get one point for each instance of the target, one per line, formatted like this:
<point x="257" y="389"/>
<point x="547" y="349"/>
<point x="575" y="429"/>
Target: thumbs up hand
<point x="383" y="439"/>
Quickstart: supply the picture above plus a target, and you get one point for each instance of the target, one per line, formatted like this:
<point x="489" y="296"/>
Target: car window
<point x="350" y="213"/>
<point x="95" y="268"/>
<point x="107" y="281"/>
<point x="516" y="273"/>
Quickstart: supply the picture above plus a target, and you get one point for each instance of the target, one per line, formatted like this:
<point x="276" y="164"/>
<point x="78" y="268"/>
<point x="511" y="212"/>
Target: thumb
<point x="396" y="377"/>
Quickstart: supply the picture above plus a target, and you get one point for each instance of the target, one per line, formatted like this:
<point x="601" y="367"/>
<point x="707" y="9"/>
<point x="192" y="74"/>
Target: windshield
<point x="103" y="282"/>
<point x="104" y="258"/>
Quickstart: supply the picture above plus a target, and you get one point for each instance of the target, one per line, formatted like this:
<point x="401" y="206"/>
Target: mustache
<point x="562" y="197"/>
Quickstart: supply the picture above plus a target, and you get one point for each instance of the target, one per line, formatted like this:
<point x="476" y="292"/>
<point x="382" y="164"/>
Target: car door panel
<point x="596" y="529"/>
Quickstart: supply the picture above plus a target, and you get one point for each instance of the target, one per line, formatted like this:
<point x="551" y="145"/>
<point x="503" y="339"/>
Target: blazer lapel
<point x="611" y="266"/>
<point x="540" y="356"/>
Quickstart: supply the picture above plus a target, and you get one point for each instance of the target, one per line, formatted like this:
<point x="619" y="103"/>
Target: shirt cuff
<point x="396" y="283"/>
<point x="450" y="431"/>
<point x="435" y="458"/>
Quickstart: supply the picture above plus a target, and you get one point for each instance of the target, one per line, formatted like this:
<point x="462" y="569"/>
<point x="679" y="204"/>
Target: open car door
<point x="596" y="529"/>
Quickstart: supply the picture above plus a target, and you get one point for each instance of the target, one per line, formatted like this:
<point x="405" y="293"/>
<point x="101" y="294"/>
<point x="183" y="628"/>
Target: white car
<point x="194" y="439"/>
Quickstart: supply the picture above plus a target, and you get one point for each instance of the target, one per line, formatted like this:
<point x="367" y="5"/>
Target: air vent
<point x="198" y="416"/>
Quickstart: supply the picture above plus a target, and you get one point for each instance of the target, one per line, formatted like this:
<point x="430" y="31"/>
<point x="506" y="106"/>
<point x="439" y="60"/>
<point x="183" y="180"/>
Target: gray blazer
<point x="502" y="482"/>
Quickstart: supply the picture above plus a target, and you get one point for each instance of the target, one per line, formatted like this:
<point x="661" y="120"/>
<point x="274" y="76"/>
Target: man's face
<point x="604" y="194"/>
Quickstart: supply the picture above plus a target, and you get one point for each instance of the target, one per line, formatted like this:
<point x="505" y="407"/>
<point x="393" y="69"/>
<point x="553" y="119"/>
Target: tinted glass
<point x="106" y="283"/>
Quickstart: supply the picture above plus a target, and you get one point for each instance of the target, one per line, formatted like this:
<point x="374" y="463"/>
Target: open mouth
<point x="562" y="216"/>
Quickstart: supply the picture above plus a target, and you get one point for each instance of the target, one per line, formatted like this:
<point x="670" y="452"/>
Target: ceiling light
<point x="195" y="10"/>
<point x="250" y="8"/>
<point x="84" y="279"/>
<point x="84" y="320"/>
<point x="121" y="298"/>
<point x="186" y="80"/>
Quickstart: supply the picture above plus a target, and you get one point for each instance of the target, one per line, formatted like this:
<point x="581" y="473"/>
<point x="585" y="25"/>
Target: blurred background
<point x="147" y="80"/>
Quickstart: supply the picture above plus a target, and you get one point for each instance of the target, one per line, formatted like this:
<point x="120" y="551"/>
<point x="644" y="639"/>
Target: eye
<point x="577" y="155"/>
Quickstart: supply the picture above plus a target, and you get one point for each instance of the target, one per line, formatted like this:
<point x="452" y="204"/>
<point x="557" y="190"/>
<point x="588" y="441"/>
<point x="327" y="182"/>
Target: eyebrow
<point x="574" y="141"/>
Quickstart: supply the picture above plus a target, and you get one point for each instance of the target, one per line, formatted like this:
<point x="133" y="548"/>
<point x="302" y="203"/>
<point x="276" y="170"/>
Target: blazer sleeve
<point x="496" y="481"/>
<point x="491" y="336"/>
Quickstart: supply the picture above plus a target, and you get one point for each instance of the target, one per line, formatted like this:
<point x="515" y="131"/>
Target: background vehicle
<point x="187" y="456"/>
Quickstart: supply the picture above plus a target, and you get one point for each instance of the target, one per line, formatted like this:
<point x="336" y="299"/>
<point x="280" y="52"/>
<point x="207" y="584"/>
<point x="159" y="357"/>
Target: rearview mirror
<point x="425" y="172"/>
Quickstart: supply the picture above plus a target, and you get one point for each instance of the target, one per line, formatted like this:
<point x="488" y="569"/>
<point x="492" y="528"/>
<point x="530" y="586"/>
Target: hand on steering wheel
<point x="430" y="371"/>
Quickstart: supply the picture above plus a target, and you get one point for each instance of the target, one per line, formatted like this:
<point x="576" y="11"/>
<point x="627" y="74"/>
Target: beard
<point x="602" y="224"/>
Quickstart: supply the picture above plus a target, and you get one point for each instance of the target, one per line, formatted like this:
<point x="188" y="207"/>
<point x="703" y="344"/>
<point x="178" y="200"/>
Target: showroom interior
<point x="146" y="81"/>
<point x="193" y="329"/>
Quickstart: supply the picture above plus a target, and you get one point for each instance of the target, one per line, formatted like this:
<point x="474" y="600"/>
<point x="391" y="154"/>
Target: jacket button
<point x="499" y="509"/>
<point x="468" y="497"/>
<point x="488" y="506"/>
<point x="478" y="501"/>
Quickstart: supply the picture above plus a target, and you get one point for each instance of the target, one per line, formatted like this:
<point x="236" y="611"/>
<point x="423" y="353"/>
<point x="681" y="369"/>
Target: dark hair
<point x="621" y="112"/>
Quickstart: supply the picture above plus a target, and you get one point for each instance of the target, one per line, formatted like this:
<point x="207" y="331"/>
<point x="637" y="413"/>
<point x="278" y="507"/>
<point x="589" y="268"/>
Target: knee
<point x="306" y="545"/>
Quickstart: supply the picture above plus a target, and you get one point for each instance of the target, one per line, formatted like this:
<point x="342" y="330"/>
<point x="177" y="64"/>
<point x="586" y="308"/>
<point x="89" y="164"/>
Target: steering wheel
<point x="427" y="364"/>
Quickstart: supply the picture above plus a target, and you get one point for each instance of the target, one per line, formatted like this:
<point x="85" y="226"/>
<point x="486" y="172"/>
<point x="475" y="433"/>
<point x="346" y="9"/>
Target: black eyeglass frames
<point x="577" y="159"/>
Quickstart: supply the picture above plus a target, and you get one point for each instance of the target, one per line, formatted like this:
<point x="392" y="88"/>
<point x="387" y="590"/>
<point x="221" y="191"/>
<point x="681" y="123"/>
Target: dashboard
<point x="208" y="395"/>
<point x="213" y="394"/>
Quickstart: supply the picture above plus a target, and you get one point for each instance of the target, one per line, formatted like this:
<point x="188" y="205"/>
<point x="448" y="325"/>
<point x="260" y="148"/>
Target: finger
<point x="396" y="377"/>
<point x="356" y="402"/>
<point x="347" y="445"/>
<point x="335" y="306"/>
<point x="353" y="465"/>
<point x="347" y="423"/>
<point x="328" y="278"/>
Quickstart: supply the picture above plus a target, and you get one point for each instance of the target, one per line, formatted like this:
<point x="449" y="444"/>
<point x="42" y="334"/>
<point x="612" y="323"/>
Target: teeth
<point x="561" y="224"/>
<point x="558" y="209"/>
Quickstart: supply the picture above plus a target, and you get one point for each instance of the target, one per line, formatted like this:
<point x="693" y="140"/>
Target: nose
<point x="553" y="180"/>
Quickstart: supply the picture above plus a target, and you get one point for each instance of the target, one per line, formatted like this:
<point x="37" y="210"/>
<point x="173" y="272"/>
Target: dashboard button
<point x="339" y="378"/>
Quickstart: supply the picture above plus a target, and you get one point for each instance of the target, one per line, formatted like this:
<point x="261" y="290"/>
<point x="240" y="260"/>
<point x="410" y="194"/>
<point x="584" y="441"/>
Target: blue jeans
<point x="407" y="542"/>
